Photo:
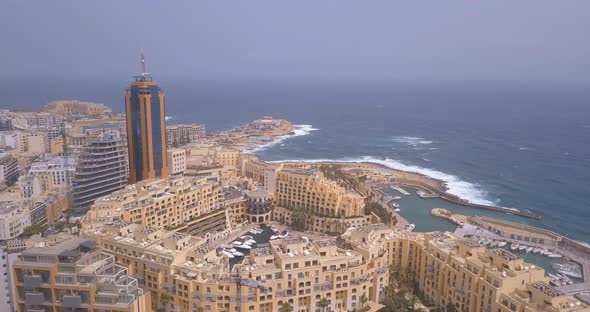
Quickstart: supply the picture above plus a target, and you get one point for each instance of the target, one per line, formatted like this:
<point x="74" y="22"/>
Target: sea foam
<point x="465" y="190"/>
<point x="412" y="141"/>
<point x="300" y="130"/>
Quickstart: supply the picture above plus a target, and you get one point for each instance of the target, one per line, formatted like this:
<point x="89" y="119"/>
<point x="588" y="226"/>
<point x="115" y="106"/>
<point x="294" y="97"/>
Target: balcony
<point x="71" y="301"/>
<point x="34" y="298"/>
<point x="32" y="281"/>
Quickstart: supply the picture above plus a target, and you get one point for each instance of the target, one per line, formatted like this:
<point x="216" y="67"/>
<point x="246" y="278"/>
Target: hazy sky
<point x="319" y="39"/>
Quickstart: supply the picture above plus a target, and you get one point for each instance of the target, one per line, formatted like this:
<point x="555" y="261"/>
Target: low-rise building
<point x="177" y="135"/>
<point x="14" y="219"/>
<point x="57" y="167"/>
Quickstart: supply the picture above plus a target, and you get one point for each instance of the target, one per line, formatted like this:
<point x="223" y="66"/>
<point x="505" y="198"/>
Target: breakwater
<point x="451" y="198"/>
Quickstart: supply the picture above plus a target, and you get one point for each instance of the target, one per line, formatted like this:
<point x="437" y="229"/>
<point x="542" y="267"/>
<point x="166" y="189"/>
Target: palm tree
<point x="323" y="303"/>
<point x="287" y="307"/>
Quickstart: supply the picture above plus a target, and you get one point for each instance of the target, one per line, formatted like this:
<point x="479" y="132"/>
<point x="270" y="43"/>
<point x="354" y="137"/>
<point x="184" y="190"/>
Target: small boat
<point x="410" y="227"/>
<point x="237" y="243"/>
<point x="227" y="254"/>
<point x="246" y="237"/>
<point x="529" y="249"/>
<point x="502" y="243"/>
<point x="250" y="241"/>
<point x="273" y="237"/>
<point x="493" y="244"/>
<point x="553" y="255"/>
<point x="394" y="205"/>
<point x="537" y="250"/>
<point x="244" y="246"/>
<point x="571" y="273"/>
<point x="397" y="210"/>
<point x="514" y="246"/>
<point x="236" y="253"/>
<point x="522" y="247"/>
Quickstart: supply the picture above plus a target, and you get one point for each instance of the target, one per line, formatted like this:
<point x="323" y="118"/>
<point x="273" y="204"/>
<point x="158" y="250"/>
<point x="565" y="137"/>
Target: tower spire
<point x="142" y="63"/>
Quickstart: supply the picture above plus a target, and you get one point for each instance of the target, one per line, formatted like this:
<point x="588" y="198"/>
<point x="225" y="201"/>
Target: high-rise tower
<point x="101" y="170"/>
<point x="146" y="128"/>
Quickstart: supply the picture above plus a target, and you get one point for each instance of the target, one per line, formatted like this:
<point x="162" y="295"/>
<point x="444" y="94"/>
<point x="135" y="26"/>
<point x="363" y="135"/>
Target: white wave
<point x="523" y="148"/>
<point x="455" y="186"/>
<point x="412" y="141"/>
<point x="300" y="130"/>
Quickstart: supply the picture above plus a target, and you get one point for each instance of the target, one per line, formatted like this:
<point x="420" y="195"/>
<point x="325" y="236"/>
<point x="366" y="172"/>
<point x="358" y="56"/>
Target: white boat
<point x="237" y="243"/>
<point x="250" y="241"/>
<point x="244" y="246"/>
<point x="571" y="273"/>
<point x="246" y="237"/>
<point x="514" y="246"/>
<point x="397" y="210"/>
<point x="273" y="237"/>
<point x="227" y="254"/>
<point x="502" y="244"/>
<point x="522" y="247"/>
<point x="493" y="244"/>
<point x="553" y="255"/>
<point x="255" y="231"/>
<point x="236" y="253"/>
<point x="537" y="250"/>
<point x="410" y="227"/>
<point x="529" y="249"/>
<point x="395" y="205"/>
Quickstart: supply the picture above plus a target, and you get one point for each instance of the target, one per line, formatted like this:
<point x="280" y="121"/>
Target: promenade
<point x="384" y="200"/>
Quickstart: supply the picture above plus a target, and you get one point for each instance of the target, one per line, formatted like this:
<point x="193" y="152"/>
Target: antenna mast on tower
<point x="142" y="63"/>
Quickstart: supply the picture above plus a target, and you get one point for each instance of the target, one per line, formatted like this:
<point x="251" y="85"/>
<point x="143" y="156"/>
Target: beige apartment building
<point x="227" y="157"/>
<point x="261" y="172"/>
<point x="310" y="190"/>
<point x="161" y="202"/>
<point x="290" y="270"/>
<point x="176" y="160"/>
<point x="68" y="273"/>
<point x="464" y="273"/>
<point x="297" y="271"/>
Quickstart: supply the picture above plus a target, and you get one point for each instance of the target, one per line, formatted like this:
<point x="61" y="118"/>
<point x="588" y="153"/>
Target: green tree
<point x="450" y="307"/>
<point x="323" y="303"/>
<point x="287" y="307"/>
<point x="301" y="218"/>
<point x="164" y="300"/>
<point x="364" y="300"/>
<point x="35" y="229"/>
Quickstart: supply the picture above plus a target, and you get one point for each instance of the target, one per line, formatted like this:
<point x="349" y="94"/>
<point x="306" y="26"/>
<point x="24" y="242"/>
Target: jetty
<point x="401" y="190"/>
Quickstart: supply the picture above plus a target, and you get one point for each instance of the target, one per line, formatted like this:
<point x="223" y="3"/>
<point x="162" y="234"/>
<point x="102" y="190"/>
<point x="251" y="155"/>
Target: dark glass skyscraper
<point x="146" y="128"/>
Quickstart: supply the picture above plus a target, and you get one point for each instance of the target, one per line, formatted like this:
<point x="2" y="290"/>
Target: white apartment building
<point x="56" y="167"/>
<point x="14" y="219"/>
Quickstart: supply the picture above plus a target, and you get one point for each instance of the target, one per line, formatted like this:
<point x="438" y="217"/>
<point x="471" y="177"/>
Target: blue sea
<point x="513" y="144"/>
